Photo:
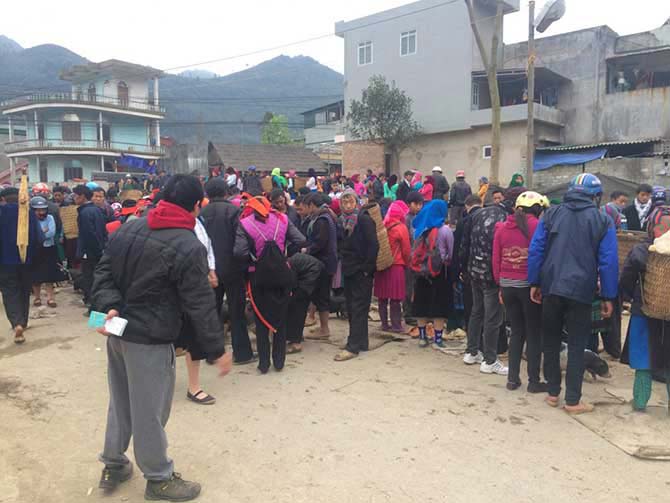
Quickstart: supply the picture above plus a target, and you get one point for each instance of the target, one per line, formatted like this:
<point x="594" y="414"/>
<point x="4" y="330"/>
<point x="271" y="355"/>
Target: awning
<point x="545" y="160"/>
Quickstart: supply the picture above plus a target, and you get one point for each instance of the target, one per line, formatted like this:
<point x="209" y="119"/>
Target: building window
<point x="71" y="127"/>
<point x="475" y="95"/>
<point x="486" y="152"/>
<point x="408" y="43"/>
<point x="365" y="53"/>
<point x="72" y="170"/>
<point x="44" y="178"/>
<point x="91" y="92"/>
<point x="122" y="93"/>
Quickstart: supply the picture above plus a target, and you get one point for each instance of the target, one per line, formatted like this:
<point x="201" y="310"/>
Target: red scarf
<point x="170" y="216"/>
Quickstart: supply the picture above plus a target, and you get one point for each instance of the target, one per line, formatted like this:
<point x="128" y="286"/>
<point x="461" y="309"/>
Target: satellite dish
<point x="553" y="11"/>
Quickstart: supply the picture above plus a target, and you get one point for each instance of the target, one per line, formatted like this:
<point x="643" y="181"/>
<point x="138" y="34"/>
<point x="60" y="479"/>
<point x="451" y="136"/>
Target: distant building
<point x="324" y="125"/>
<point x="594" y="90"/>
<point x="264" y="157"/>
<point x="112" y="110"/>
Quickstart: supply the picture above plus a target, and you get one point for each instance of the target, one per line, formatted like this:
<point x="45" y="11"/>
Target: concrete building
<point x="593" y="88"/>
<point x="112" y="110"/>
<point x="324" y="125"/>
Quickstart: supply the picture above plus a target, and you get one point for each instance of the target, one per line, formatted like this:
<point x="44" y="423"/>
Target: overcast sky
<point x="157" y="34"/>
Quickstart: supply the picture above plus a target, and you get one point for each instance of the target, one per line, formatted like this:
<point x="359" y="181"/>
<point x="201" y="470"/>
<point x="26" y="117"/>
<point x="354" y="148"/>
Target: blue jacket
<point x="9" y="253"/>
<point x="92" y="231"/>
<point x="573" y="245"/>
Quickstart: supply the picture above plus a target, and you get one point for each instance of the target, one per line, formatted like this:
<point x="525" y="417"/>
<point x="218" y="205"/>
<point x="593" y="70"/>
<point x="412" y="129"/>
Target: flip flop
<point x="293" y="349"/>
<point x="581" y="408"/>
<point x="345" y="356"/>
<point x="18" y="336"/>
<point x="208" y="400"/>
<point x="52" y="303"/>
<point x="37" y="303"/>
<point x="552" y="401"/>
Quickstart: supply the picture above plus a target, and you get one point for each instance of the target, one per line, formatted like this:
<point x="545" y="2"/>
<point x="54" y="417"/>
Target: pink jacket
<point x="510" y="249"/>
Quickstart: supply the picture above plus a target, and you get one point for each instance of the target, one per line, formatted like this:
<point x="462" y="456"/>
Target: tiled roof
<point x="264" y="157"/>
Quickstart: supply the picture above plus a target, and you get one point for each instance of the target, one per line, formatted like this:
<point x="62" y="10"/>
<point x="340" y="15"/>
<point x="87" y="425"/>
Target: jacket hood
<point x="170" y="216"/>
<point x="510" y="223"/>
<point x="578" y="202"/>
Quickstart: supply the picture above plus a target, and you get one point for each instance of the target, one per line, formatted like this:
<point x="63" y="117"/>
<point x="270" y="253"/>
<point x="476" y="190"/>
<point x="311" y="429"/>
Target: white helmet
<point x="437" y="169"/>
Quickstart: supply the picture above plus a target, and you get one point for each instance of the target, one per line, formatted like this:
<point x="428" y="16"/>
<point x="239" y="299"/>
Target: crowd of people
<point x="520" y="275"/>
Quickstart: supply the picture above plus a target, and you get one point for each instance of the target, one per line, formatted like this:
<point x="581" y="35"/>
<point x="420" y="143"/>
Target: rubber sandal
<point x="552" y="401"/>
<point x="580" y="408"/>
<point x="37" y="303"/>
<point x="52" y="303"/>
<point x="345" y="356"/>
<point x="208" y="400"/>
<point x="293" y="349"/>
<point x="18" y="336"/>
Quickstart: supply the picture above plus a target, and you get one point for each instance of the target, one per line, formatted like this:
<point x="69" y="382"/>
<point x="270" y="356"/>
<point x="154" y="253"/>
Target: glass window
<point x="475" y="95"/>
<point x="365" y="53"/>
<point x="486" y="152"/>
<point x="408" y="43"/>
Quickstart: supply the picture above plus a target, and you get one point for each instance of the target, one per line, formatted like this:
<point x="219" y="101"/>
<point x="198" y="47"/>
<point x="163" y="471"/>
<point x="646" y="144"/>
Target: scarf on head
<point x="431" y="216"/>
<point x="259" y="204"/>
<point x="659" y="222"/>
<point x="517" y="180"/>
<point x="397" y="212"/>
<point x="642" y="209"/>
<point x="349" y="220"/>
<point x="416" y="179"/>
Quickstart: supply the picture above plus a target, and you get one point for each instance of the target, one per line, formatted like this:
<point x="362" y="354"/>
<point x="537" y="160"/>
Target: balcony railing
<point x="83" y="145"/>
<point x="83" y="99"/>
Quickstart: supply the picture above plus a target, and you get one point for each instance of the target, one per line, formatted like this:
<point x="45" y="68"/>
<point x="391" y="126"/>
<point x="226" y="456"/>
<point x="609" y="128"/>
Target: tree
<point x="276" y="131"/>
<point x="490" y="62"/>
<point x="384" y="116"/>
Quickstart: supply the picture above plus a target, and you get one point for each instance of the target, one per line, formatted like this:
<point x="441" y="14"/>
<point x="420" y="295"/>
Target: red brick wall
<point x="358" y="157"/>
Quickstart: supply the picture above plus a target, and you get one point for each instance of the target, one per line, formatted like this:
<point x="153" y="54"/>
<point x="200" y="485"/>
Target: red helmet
<point x="41" y="188"/>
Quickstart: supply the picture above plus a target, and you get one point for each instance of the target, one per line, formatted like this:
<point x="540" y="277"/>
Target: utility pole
<point x="530" y="155"/>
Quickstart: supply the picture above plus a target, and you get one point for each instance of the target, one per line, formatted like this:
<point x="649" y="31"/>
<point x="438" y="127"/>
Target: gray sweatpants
<point x="485" y="320"/>
<point x="141" y="385"/>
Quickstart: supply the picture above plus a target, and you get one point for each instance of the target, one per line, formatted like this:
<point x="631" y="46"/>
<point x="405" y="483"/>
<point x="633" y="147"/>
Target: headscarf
<point x="348" y="221"/>
<point x="517" y="180"/>
<point x="259" y="205"/>
<point x="416" y="179"/>
<point x="432" y="215"/>
<point x="659" y="222"/>
<point x="279" y="179"/>
<point x="396" y="212"/>
<point x="356" y="178"/>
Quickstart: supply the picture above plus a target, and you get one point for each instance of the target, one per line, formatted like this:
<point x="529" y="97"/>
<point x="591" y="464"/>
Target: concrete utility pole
<point x="530" y="155"/>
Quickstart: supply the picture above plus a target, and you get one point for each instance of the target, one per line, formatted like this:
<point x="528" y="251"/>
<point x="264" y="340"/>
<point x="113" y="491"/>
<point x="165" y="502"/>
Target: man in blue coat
<point x="574" y="246"/>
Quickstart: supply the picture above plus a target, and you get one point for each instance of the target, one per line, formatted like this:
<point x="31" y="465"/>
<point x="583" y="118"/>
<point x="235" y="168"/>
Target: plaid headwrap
<point x="659" y="222"/>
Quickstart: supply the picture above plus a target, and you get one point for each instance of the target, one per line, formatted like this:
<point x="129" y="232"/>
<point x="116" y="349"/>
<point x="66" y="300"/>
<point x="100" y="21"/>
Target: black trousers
<point x="558" y="312"/>
<point x="236" y="300"/>
<point x="467" y="303"/>
<point x="358" y="295"/>
<point x="278" y="341"/>
<point x="88" y="266"/>
<point x="16" y="285"/>
<point x="295" y="320"/>
<point x="526" y="319"/>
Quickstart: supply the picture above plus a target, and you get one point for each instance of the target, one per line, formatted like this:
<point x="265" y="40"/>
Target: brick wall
<point x="358" y="157"/>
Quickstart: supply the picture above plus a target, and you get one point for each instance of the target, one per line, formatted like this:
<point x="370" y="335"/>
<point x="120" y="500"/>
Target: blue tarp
<point x="138" y="163"/>
<point x="547" y="159"/>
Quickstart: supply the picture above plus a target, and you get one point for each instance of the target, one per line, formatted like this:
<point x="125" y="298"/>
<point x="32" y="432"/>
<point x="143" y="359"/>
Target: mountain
<point x="200" y="106"/>
<point x="198" y="74"/>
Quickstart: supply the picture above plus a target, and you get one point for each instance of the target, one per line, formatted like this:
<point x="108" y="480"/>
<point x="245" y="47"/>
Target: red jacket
<point x="399" y="241"/>
<point x="510" y="249"/>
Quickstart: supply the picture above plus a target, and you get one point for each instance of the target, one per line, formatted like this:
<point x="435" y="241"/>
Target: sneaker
<point x="173" y="489"/>
<point x="112" y="476"/>
<point x="424" y="343"/>
<point x="440" y="344"/>
<point x="494" y="368"/>
<point x="470" y="359"/>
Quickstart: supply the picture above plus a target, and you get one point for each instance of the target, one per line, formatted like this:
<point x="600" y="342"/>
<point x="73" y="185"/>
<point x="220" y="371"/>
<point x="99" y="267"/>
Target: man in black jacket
<point x="221" y="219"/>
<point x="637" y="212"/>
<point x="154" y="273"/>
<point x="92" y="236"/>
<point x="440" y="185"/>
<point x="404" y="188"/>
<point x="252" y="183"/>
<point x="358" y="248"/>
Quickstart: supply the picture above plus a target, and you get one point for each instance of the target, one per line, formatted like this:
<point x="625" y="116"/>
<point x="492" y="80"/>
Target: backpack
<point x="426" y="259"/>
<point x="272" y="268"/>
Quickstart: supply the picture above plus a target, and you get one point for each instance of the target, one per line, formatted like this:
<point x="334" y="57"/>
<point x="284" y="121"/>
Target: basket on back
<point x="385" y="255"/>
<point x="656" y="287"/>
<point x="627" y="240"/>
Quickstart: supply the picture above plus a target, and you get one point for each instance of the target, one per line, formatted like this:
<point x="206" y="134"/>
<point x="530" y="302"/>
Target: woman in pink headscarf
<point x="390" y="284"/>
<point x="416" y="183"/>
<point x="427" y="189"/>
<point x="359" y="187"/>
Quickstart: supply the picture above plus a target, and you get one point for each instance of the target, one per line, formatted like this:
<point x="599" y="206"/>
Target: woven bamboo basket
<point x="656" y="287"/>
<point x="385" y="255"/>
<point x="627" y="240"/>
<point x="299" y="183"/>
<point x="266" y="184"/>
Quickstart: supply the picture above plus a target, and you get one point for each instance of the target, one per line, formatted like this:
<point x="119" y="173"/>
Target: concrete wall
<point x="642" y="170"/>
<point x="323" y="133"/>
<point x="138" y="87"/>
<point x="358" y="157"/>
<point x="55" y="170"/>
<point x="464" y="151"/>
<point x="437" y="77"/>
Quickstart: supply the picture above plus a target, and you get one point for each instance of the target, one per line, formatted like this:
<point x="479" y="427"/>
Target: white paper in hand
<point x="116" y="326"/>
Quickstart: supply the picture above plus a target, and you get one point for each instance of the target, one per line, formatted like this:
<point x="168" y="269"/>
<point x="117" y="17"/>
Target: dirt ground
<point x="398" y="424"/>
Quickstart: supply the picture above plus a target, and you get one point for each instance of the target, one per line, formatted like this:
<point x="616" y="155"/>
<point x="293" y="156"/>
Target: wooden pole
<point x="22" y="234"/>
<point x="530" y="155"/>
